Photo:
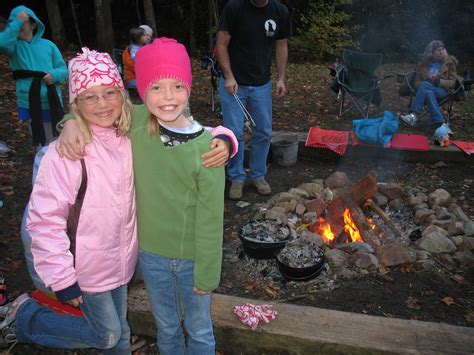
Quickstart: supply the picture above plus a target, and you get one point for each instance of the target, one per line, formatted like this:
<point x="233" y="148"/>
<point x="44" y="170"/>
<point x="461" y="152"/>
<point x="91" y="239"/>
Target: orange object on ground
<point x="54" y="304"/>
<point x="324" y="138"/>
<point x="466" y="147"/>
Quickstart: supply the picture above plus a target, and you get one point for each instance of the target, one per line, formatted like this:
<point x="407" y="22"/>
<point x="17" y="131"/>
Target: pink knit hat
<point x="164" y="58"/>
<point x="91" y="68"/>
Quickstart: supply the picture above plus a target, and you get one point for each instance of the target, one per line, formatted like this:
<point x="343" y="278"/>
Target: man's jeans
<point x="427" y="94"/>
<point x="169" y="283"/>
<point x="104" y="325"/>
<point x="258" y="100"/>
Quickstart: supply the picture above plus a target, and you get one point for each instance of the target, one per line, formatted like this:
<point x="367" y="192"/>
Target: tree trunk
<point x="192" y="35"/>
<point x="103" y="21"/>
<point x="56" y="23"/>
<point x="150" y="15"/>
<point x="76" y="24"/>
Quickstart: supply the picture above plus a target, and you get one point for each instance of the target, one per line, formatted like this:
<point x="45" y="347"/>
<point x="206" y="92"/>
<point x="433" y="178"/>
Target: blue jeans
<point x="258" y="100"/>
<point x="104" y="325"/>
<point x="169" y="283"/>
<point x="427" y="94"/>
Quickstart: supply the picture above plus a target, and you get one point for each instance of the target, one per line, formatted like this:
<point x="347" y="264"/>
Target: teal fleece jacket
<point x="40" y="55"/>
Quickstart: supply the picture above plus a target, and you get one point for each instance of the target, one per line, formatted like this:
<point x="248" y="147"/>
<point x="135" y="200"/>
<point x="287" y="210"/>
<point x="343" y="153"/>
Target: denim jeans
<point x="427" y="94"/>
<point x="169" y="283"/>
<point x="104" y="325"/>
<point x="258" y="101"/>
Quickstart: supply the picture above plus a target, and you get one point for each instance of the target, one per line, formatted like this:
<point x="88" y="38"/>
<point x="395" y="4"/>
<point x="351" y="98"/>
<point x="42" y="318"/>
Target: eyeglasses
<point x="108" y="95"/>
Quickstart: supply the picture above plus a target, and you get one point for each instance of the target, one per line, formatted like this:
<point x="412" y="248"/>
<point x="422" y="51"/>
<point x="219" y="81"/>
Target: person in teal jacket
<point x="38" y="68"/>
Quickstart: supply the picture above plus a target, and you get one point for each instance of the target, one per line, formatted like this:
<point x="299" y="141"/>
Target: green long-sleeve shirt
<point x="180" y="203"/>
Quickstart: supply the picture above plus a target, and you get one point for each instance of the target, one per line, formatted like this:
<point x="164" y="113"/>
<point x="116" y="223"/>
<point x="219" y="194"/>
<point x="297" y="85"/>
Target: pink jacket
<point x="106" y="243"/>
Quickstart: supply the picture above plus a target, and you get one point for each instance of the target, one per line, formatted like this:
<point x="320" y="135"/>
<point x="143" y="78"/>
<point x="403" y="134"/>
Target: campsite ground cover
<point x="309" y="103"/>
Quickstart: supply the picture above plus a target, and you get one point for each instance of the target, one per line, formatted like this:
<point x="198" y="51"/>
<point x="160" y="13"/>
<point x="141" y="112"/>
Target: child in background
<point x="148" y="32"/>
<point x="138" y="38"/>
<point x="38" y="69"/>
<point x="87" y="262"/>
<point x="181" y="251"/>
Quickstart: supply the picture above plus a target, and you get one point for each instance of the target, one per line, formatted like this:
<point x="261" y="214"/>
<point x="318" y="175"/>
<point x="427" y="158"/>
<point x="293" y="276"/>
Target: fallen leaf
<point x="271" y="292"/>
<point x="470" y="315"/>
<point x="413" y="303"/>
<point x="407" y="268"/>
<point x="384" y="270"/>
<point x="249" y="285"/>
<point x="448" y="301"/>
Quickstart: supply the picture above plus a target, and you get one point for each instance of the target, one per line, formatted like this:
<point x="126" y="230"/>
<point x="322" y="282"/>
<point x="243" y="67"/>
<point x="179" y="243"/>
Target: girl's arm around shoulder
<point x="227" y="135"/>
<point x="54" y="191"/>
<point x="221" y="148"/>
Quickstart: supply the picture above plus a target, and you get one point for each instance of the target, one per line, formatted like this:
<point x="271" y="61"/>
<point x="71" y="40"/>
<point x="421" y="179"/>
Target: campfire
<point x="346" y="222"/>
<point x="360" y="226"/>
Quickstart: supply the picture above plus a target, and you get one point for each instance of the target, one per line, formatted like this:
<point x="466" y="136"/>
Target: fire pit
<point x="300" y="261"/>
<point x="263" y="239"/>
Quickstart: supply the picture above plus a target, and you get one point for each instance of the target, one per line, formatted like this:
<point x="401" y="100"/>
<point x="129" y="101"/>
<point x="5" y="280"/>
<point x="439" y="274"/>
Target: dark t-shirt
<point x="253" y="32"/>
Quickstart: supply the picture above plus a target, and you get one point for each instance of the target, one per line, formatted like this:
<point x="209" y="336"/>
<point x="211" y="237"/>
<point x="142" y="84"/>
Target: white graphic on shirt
<point x="270" y="28"/>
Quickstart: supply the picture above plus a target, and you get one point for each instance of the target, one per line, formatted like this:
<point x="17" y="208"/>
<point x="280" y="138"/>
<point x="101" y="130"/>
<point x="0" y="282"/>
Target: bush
<point x="324" y="32"/>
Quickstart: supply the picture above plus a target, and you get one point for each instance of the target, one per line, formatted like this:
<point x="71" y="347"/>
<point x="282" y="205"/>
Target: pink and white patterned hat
<point x="91" y="68"/>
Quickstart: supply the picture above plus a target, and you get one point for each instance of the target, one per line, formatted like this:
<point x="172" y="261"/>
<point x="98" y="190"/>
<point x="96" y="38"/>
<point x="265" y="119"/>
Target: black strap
<point x="34" y="95"/>
<point x="75" y="210"/>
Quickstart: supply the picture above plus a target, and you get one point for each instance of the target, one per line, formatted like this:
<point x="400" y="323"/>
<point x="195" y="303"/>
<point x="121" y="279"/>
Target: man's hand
<point x="75" y="302"/>
<point x="280" y="89"/>
<point x="70" y="143"/>
<point x="23" y="16"/>
<point x="48" y="79"/>
<point x="231" y="86"/>
<point x="218" y="154"/>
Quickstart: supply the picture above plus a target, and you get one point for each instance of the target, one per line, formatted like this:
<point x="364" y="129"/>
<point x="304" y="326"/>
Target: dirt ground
<point x="309" y="103"/>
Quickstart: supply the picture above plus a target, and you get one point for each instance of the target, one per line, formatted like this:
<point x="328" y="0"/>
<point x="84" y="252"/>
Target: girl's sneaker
<point x="11" y="314"/>
<point x="5" y="152"/>
<point x="8" y="339"/>
<point x="409" y="119"/>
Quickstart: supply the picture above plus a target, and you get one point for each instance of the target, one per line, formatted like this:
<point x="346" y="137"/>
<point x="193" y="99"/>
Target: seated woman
<point x="436" y="78"/>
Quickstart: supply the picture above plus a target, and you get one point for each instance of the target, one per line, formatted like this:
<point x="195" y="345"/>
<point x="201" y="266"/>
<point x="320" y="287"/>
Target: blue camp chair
<point x="356" y="81"/>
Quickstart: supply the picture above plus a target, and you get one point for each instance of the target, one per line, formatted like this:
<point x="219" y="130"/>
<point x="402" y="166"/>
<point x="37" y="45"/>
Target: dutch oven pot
<point x="311" y="269"/>
<point x="263" y="239"/>
<point x="262" y="250"/>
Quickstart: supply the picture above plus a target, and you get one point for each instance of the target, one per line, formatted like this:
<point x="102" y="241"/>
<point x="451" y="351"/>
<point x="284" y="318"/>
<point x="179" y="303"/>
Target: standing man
<point x="248" y="32"/>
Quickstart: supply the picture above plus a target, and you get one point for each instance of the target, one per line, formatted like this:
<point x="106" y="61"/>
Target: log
<point x="358" y="192"/>
<point x="385" y="218"/>
<point x="359" y="218"/>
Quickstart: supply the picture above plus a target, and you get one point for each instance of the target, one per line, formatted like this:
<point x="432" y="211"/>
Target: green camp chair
<point x="356" y="81"/>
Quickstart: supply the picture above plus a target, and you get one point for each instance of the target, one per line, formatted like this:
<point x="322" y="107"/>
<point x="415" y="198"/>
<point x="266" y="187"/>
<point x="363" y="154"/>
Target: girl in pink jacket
<point x="82" y="220"/>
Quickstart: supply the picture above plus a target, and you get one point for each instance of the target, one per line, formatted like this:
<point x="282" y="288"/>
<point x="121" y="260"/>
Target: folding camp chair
<point x="408" y="89"/>
<point x="355" y="78"/>
<point x="117" y="58"/>
<point x="210" y="61"/>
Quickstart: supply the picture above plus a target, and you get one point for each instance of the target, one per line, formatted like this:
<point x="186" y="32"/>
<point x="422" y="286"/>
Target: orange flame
<point x="324" y="229"/>
<point x="350" y="227"/>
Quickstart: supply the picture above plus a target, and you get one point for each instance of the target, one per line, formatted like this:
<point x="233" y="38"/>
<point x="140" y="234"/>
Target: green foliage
<point x="324" y="31"/>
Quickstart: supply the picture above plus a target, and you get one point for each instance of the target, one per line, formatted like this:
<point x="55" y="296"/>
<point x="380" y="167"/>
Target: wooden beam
<point x="310" y="330"/>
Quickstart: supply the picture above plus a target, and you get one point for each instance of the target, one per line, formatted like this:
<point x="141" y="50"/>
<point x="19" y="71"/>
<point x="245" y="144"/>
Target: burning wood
<point x="344" y="214"/>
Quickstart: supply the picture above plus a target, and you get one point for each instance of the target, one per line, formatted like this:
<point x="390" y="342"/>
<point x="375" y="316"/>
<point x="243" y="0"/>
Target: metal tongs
<point x="247" y="115"/>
